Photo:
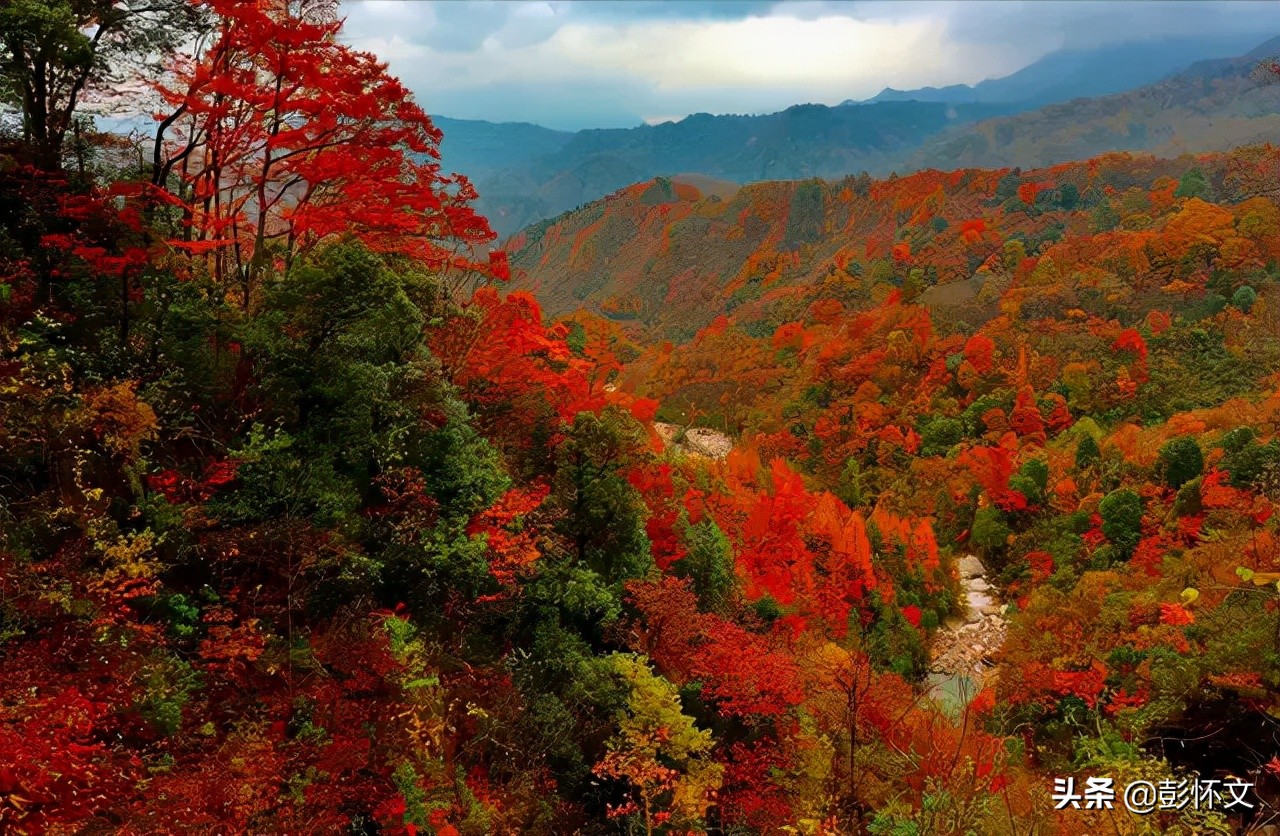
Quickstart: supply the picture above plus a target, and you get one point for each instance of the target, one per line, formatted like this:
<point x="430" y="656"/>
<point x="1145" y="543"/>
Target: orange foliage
<point x="512" y="547"/>
<point x="979" y="351"/>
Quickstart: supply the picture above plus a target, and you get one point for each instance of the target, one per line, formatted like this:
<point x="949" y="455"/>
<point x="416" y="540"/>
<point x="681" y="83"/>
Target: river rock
<point x="707" y="442"/>
<point x="980" y="602"/>
<point x="963" y="648"/>
<point x="697" y="441"/>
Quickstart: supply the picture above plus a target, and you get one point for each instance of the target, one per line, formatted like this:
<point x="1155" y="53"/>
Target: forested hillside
<point x="310" y="522"/>
<point x="663" y="261"/>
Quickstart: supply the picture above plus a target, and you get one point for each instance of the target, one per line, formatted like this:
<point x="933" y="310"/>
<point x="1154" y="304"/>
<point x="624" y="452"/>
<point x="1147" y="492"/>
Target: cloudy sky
<point x="581" y="64"/>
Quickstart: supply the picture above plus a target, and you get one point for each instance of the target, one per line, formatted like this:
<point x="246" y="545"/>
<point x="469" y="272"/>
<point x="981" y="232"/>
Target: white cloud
<point x="833" y="56"/>
<point x="609" y="63"/>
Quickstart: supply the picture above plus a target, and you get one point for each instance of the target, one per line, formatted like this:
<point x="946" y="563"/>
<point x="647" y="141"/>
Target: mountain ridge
<point x="1211" y="105"/>
<point x="528" y="180"/>
<point x="1067" y="74"/>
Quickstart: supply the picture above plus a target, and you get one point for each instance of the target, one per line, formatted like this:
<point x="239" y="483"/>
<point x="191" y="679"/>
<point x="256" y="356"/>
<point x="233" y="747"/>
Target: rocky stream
<point x="962" y="655"/>
<point x="964" y="650"/>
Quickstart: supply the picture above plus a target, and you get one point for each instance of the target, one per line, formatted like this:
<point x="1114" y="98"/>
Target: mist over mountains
<point x="1211" y="105"/>
<point x="1134" y="96"/>
<point x="1074" y="73"/>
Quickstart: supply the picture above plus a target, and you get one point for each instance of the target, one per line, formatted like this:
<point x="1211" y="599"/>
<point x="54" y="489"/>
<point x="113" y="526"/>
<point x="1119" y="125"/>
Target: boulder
<point x="981" y="602"/>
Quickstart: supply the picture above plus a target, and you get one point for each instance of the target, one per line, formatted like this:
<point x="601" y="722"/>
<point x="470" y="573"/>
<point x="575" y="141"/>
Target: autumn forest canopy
<point x="322" y="510"/>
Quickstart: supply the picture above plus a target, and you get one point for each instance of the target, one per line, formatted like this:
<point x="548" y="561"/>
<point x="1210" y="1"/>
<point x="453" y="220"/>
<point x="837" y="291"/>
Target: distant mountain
<point x="1070" y="74"/>
<point x="526" y="173"/>
<point x="951" y="94"/>
<point x="1210" y="106"/>
<point x="802" y="141"/>
<point x="477" y="148"/>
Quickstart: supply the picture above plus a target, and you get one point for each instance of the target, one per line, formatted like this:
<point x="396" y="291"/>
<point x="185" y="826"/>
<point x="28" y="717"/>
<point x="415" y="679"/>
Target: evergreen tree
<point x="1180" y="461"/>
<point x="1193" y="184"/>
<point x="1121" y="513"/>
